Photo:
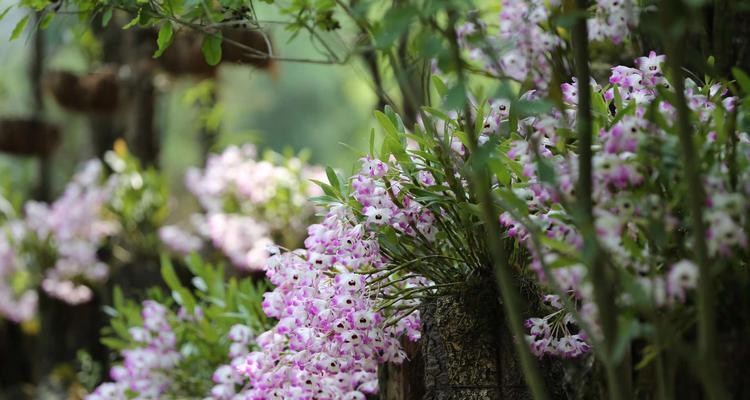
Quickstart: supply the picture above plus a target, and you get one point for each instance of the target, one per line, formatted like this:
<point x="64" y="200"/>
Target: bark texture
<point x="468" y="350"/>
<point x="405" y="381"/>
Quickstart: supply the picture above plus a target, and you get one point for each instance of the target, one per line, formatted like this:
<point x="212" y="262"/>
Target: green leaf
<point x="502" y="173"/>
<point x="118" y="298"/>
<point x="167" y="272"/>
<point x="455" y="98"/>
<point x="742" y="79"/>
<point x="114" y="344"/>
<point x="386" y="123"/>
<point x="133" y="22"/>
<point x="333" y="179"/>
<point x="546" y="172"/>
<point x="106" y="17"/>
<point x="439" y="85"/>
<point x="46" y="20"/>
<point x="390" y="28"/>
<point x="20" y="26"/>
<point x="5" y="12"/>
<point x="120" y="328"/>
<point x="110" y="311"/>
<point x="166" y="34"/>
<point x="510" y="200"/>
<point x="650" y="353"/>
<point x="211" y="48"/>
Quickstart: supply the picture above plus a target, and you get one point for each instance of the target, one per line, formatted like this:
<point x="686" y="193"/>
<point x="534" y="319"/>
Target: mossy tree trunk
<point x="466" y="353"/>
<point x="468" y="350"/>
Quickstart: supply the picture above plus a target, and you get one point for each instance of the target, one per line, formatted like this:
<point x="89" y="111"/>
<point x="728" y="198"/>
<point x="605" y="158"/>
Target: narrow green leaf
<point x="114" y="344"/>
<point x="169" y="275"/>
<point x="20" y="26"/>
<point x="133" y="22"/>
<point x="386" y="123"/>
<point x="332" y="178"/>
<point x="742" y="79"/>
<point x="120" y="328"/>
<point x="118" y="298"/>
<point x="439" y="86"/>
<point x="5" y="12"/>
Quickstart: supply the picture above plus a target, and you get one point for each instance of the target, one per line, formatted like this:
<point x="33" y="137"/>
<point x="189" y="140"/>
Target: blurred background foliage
<point x="295" y="106"/>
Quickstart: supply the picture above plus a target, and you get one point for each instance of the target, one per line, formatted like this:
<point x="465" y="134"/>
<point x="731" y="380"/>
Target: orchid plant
<point x="186" y="345"/>
<point x="56" y="247"/>
<point x="249" y="203"/>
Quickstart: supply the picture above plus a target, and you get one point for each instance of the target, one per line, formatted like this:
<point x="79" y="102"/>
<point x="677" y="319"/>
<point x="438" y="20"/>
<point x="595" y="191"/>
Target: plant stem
<point x="696" y="198"/>
<point x="502" y="272"/>
<point x="603" y="293"/>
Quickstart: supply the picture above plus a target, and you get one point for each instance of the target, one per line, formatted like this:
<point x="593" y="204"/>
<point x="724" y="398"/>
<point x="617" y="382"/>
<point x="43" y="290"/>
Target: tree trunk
<point x="731" y="35"/>
<point x="468" y="350"/>
<point x="405" y="381"/>
<point x="106" y="127"/>
<point x="141" y="135"/>
<point x="467" y="353"/>
<point x="64" y="331"/>
<point x="36" y="63"/>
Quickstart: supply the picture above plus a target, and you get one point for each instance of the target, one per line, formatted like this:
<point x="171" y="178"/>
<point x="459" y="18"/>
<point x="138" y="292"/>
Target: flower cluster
<point x="613" y="20"/>
<point x="249" y="203"/>
<point x="75" y="226"/>
<point x="226" y="377"/>
<point x="626" y="203"/>
<point x="550" y="335"/>
<point x="145" y="369"/>
<point x="521" y="50"/>
<point x="330" y="336"/>
<point x="18" y="301"/>
<point x="188" y="346"/>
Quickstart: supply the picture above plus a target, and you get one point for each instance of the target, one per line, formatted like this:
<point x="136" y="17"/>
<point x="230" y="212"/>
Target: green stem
<point x="603" y="293"/>
<point x="675" y="45"/>
<point x="503" y="276"/>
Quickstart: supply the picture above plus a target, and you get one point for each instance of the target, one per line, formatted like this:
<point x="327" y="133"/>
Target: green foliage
<point x="139" y="203"/>
<point x="166" y="35"/>
<point x="211" y="48"/>
<point x="200" y="314"/>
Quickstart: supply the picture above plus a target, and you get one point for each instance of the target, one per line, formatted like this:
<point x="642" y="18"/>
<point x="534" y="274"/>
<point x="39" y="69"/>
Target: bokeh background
<point x="298" y="106"/>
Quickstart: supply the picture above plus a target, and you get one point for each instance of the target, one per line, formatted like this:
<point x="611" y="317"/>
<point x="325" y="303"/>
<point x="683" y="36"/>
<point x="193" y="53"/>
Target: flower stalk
<point x="502" y="271"/>
<point x="603" y="294"/>
<point x="674" y="43"/>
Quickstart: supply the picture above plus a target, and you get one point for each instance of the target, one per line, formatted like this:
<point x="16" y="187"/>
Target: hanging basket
<point x="28" y="137"/>
<point x="94" y="92"/>
<point x="184" y="55"/>
<point x="466" y="353"/>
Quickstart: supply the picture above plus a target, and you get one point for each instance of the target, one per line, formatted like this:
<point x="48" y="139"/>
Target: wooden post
<point x="142" y="137"/>
<point x="106" y="127"/>
<point x="44" y="184"/>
